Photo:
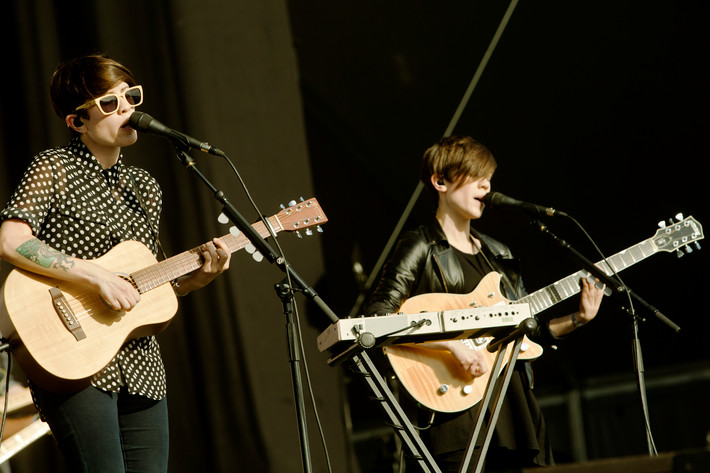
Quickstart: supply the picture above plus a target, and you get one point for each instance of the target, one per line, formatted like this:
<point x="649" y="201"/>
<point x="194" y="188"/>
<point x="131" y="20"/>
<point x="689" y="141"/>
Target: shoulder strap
<point x="145" y="213"/>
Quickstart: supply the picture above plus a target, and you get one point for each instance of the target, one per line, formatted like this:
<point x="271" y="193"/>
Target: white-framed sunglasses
<point x="108" y="104"/>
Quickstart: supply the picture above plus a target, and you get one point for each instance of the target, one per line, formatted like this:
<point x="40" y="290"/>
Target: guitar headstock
<point x="302" y="216"/>
<point x="677" y="235"/>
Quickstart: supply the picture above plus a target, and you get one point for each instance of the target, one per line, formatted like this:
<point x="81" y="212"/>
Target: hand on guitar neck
<point x="589" y="302"/>
<point x="216" y="256"/>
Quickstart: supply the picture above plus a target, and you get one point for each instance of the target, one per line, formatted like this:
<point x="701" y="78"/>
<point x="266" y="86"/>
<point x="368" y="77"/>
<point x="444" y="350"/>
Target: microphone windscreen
<point x="139" y="120"/>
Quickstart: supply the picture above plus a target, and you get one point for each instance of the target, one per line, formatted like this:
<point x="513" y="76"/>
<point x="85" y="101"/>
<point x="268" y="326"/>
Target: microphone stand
<point x="616" y="286"/>
<point x="284" y="292"/>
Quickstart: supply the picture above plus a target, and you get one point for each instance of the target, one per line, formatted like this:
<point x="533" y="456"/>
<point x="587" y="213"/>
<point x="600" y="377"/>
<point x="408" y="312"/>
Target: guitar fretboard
<point x="167" y="270"/>
<point x="569" y="286"/>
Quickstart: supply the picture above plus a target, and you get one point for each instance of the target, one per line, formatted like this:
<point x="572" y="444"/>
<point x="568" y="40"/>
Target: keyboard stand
<point x="475" y="455"/>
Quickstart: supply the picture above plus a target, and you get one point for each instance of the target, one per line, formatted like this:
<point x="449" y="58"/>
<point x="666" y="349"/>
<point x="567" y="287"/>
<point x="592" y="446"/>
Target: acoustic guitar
<point x="62" y="333"/>
<point x="436" y="380"/>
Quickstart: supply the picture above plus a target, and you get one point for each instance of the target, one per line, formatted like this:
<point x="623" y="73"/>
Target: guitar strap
<point x="529" y="377"/>
<point x="145" y="213"/>
<point x="483" y="253"/>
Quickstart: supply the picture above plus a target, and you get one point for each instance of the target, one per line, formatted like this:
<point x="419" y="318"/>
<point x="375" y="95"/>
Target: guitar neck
<point x="167" y="270"/>
<point x="567" y="287"/>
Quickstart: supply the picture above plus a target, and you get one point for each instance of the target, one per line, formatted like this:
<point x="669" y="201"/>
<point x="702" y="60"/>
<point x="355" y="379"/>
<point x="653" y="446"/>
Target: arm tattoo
<point x="38" y="252"/>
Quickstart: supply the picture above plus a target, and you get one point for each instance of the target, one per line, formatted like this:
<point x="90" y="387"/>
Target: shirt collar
<point x="80" y="150"/>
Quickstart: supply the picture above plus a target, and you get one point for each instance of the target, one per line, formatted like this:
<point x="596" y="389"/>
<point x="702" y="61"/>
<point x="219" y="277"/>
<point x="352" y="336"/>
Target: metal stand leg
<point x="495" y="391"/>
<point x="403" y="427"/>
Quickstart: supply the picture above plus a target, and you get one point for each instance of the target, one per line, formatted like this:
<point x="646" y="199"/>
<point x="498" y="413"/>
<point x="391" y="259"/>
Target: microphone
<point x="498" y="200"/>
<point x="140" y="121"/>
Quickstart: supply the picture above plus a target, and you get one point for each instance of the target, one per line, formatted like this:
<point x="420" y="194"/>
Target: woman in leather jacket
<point x="449" y="256"/>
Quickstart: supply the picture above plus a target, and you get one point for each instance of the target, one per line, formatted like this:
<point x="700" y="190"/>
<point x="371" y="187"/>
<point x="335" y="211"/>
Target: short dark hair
<point x="79" y="80"/>
<point x="456" y="158"/>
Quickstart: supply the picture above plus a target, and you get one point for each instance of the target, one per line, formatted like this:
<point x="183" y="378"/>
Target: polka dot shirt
<point x="75" y="206"/>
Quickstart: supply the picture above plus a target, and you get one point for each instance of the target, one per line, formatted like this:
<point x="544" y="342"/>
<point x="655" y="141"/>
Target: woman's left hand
<point x="216" y="256"/>
<point x="589" y="301"/>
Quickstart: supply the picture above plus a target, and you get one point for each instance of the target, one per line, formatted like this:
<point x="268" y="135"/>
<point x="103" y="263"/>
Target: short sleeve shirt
<point x="75" y="206"/>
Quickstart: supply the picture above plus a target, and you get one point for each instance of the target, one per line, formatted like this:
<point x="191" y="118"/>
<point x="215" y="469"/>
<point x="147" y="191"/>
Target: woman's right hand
<point x="472" y="361"/>
<point x="116" y="292"/>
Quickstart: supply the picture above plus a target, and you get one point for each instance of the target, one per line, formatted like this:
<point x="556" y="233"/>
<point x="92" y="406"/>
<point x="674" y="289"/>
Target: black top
<point x="474" y="268"/>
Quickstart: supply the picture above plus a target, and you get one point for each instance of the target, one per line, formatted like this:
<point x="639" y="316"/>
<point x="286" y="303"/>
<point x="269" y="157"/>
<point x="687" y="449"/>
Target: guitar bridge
<point x="66" y="315"/>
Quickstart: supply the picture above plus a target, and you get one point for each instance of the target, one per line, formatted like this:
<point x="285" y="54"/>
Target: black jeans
<point x="101" y="432"/>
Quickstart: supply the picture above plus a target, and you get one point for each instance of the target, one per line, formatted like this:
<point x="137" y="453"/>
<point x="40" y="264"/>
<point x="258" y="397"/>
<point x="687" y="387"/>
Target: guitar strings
<point x="150" y="277"/>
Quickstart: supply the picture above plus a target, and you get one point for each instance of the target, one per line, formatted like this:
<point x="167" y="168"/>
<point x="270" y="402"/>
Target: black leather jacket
<point x="423" y="262"/>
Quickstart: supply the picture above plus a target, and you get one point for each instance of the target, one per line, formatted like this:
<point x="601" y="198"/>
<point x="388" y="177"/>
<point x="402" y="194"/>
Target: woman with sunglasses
<point x="73" y="205"/>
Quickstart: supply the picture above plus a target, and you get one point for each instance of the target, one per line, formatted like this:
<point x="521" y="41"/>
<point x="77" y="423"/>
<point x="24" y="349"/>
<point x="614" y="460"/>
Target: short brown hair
<point x="79" y="80"/>
<point x="456" y="158"/>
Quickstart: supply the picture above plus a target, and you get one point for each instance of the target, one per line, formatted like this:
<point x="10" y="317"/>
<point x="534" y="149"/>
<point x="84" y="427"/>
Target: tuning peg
<point x="688" y="249"/>
<point x="662" y="224"/>
<point x="292" y="203"/>
<point x="234" y="230"/>
<point x="250" y="248"/>
<point x="222" y="218"/>
<point x="298" y="234"/>
<point x="679" y="217"/>
<point x="309" y="232"/>
<point x="258" y="257"/>
<point x="319" y="229"/>
<point x="679" y="253"/>
<point x="697" y="246"/>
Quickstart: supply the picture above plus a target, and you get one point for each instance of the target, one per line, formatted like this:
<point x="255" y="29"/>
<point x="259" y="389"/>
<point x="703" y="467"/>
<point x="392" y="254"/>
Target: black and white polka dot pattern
<point x="82" y="210"/>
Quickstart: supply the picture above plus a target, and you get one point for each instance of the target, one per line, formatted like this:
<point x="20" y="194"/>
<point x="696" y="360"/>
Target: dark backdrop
<point x="596" y="108"/>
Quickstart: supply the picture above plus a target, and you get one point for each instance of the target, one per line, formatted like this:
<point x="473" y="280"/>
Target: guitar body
<point x="47" y="351"/>
<point x="423" y="371"/>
